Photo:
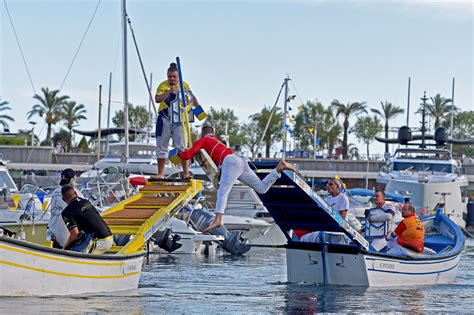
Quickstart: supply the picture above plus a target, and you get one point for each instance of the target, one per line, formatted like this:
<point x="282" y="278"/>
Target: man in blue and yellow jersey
<point x="165" y="93"/>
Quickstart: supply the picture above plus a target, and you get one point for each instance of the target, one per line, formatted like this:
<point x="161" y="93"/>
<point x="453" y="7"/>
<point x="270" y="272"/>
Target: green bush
<point x="12" y="141"/>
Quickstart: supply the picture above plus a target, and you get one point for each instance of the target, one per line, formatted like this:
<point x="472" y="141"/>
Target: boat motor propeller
<point x="166" y="241"/>
<point x="233" y="242"/>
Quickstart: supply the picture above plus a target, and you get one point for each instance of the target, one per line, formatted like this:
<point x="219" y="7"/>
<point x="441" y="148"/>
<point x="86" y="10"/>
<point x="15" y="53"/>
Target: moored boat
<point x="37" y="269"/>
<point x="32" y="269"/>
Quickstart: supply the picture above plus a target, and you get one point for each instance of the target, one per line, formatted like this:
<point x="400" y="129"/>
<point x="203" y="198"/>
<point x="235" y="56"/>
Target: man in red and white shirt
<point x="233" y="168"/>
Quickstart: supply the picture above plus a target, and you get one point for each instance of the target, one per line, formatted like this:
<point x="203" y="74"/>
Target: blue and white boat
<point x="295" y="206"/>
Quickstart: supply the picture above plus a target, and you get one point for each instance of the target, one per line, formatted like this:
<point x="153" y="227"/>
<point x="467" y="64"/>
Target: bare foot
<point x="157" y="177"/>
<point x="284" y="165"/>
<point x="188" y="176"/>
<point x="214" y="225"/>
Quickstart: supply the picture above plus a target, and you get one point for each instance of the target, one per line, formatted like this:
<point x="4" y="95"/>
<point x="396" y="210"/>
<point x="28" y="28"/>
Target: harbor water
<point x="253" y="283"/>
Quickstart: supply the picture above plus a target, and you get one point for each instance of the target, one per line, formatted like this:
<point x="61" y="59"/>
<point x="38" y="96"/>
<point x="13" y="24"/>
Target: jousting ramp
<point x="143" y="214"/>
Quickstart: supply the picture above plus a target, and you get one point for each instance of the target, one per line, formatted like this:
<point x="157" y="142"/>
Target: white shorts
<point x="164" y="131"/>
<point x="103" y="245"/>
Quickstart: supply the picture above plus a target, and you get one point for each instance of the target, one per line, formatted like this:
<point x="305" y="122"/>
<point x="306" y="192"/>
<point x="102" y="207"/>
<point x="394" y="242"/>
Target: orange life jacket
<point x="413" y="236"/>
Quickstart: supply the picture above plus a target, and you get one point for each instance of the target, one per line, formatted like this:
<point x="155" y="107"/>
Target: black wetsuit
<point x="82" y="214"/>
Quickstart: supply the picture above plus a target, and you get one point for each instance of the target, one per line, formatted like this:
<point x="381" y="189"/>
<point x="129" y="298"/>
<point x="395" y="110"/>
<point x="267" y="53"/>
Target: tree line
<point x="331" y="123"/>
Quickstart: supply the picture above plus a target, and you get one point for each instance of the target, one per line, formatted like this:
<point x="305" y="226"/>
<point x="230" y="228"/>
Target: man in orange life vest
<point x="233" y="168"/>
<point x="409" y="234"/>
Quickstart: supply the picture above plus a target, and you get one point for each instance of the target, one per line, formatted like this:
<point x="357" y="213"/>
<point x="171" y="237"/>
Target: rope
<point x="269" y="119"/>
<point x="19" y="46"/>
<point x="148" y="87"/>
<point x="80" y="45"/>
<point x="297" y="94"/>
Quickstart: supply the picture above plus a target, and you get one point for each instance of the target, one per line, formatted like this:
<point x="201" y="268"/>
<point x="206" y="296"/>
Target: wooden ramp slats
<point x="126" y="213"/>
<point x="126" y="229"/>
<point x="116" y="222"/>
<point x="164" y="188"/>
<point x="151" y="202"/>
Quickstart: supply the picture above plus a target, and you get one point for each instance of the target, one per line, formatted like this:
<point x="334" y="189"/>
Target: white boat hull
<point x="33" y="270"/>
<point x="251" y="228"/>
<point x="274" y="237"/>
<point x="359" y="269"/>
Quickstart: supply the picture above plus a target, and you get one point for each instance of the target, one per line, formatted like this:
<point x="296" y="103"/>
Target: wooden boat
<point x="38" y="269"/>
<point x="294" y="205"/>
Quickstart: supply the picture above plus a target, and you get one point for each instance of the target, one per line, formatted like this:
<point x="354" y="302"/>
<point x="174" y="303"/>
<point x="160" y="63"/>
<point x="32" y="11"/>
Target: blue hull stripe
<point x="414" y="273"/>
<point x="414" y="263"/>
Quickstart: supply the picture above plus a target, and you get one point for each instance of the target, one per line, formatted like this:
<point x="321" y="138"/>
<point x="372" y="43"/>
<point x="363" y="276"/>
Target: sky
<point x="236" y="54"/>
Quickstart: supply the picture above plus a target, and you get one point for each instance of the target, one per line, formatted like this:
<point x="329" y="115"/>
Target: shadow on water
<point x="301" y="298"/>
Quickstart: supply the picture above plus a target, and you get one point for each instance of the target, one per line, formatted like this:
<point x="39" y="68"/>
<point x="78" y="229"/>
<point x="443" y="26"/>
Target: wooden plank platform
<point x="154" y="202"/>
<point x="131" y="214"/>
<point x="125" y="230"/>
<point x="164" y="188"/>
<point x="120" y="222"/>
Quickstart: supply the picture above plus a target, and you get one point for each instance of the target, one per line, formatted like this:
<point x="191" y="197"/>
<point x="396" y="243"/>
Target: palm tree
<point x="50" y="107"/>
<point x="4" y="118"/>
<point x="388" y="112"/>
<point x="347" y="111"/>
<point x="72" y="113"/>
<point x="438" y="109"/>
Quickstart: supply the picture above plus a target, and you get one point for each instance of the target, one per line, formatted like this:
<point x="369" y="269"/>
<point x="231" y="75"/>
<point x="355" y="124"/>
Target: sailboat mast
<point x="423" y="128"/>
<point x="108" y="110"/>
<point x="408" y="103"/>
<point x="125" y="77"/>
<point x="99" y="130"/>
<point x="285" y="109"/>
<point x="452" y="116"/>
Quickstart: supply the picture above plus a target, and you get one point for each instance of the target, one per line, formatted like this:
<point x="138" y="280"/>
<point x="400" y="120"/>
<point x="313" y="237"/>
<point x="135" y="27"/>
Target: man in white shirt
<point x="338" y="202"/>
<point x="384" y="212"/>
<point x="57" y="229"/>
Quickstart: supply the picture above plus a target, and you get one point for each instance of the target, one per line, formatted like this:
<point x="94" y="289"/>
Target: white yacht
<point x="142" y="158"/>
<point x="431" y="178"/>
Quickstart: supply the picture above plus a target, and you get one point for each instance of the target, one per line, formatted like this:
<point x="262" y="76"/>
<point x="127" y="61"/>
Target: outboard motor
<point x="441" y="136"/>
<point x="404" y="135"/>
<point x="165" y="240"/>
<point x="233" y="242"/>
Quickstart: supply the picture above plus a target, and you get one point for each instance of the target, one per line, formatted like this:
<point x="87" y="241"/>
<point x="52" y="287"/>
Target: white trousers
<point x="396" y="249"/>
<point x="165" y="130"/>
<point x="236" y="168"/>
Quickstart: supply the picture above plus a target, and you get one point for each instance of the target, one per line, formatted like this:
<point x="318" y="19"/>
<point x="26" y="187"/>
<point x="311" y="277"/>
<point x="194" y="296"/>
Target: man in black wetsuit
<point x="81" y="215"/>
